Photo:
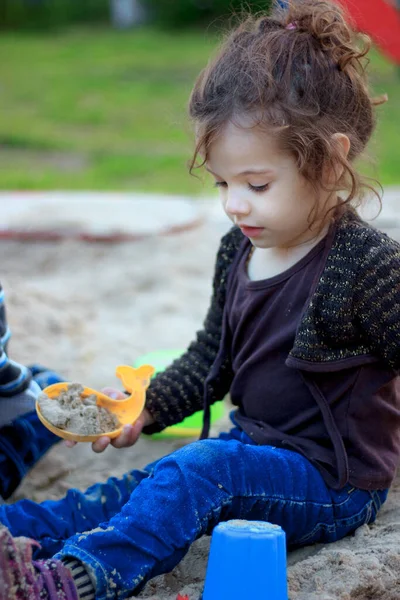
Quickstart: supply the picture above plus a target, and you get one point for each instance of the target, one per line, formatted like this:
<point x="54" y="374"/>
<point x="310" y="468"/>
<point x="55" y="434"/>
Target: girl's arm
<point x="178" y="391"/>
<point x="377" y="298"/>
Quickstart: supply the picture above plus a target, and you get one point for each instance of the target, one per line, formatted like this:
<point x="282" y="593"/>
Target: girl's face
<point x="261" y="188"/>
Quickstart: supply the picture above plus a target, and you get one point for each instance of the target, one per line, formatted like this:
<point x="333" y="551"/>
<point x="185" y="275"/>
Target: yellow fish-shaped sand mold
<point x="127" y="411"/>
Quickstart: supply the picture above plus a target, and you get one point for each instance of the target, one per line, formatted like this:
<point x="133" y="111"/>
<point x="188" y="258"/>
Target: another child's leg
<point x="193" y="489"/>
<point x="44" y="376"/>
<point x="52" y="522"/>
<point x="22" y="444"/>
<point x="25" y="440"/>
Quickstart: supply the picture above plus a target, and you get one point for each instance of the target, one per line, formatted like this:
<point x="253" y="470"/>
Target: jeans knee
<point x="205" y="460"/>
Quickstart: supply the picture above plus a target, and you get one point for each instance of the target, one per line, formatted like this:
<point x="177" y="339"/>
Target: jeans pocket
<point x="352" y="508"/>
<point x="360" y="510"/>
<point x="378" y="497"/>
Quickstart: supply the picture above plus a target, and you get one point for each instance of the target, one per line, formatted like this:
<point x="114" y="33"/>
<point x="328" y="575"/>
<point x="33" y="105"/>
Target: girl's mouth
<point x="251" y="231"/>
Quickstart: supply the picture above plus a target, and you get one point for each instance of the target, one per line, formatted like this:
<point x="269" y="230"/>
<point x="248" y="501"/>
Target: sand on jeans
<point x="85" y="308"/>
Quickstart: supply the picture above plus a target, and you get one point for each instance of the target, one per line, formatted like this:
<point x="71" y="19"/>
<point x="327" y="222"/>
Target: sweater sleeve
<point x="14" y="378"/>
<point x="178" y="391"/>
<point x="377" y="297"/>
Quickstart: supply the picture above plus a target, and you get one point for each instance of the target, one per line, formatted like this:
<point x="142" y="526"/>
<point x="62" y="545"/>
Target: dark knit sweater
<point x="352" y="318"/>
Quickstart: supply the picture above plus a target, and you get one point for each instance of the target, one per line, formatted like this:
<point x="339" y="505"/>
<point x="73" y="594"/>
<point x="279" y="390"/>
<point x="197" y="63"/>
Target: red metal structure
<point x="381" y="20"/>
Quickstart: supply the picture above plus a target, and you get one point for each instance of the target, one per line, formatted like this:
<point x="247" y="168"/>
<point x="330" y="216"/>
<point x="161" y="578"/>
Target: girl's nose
<point x="236" y="204"/>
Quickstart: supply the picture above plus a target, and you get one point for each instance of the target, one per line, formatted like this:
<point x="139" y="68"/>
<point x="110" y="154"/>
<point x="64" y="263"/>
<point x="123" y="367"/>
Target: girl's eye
<point x="253" y="188"/>
<point x="258" y="188"/>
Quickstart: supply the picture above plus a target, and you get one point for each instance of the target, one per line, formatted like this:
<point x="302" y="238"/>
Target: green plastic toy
<point x="191" y="426"/>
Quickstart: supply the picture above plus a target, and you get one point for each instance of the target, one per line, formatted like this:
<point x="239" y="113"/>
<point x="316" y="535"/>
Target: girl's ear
<point x="344" y="143"/>
<point x="334" y="172"/>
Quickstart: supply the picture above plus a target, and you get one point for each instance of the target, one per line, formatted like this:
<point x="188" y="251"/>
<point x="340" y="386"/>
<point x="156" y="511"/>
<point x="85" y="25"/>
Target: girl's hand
<point x="130" y="433"/>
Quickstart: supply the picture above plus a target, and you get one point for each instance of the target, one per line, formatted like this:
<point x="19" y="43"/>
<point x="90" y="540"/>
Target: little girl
<point x="303" y="331"/>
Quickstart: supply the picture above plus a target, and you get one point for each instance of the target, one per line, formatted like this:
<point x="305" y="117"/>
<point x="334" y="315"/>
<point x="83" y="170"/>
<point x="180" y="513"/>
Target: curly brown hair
<point x="301" y="72"/>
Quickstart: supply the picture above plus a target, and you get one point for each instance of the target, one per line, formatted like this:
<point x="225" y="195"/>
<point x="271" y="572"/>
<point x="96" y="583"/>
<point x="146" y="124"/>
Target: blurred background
<point x="93" y="93"/>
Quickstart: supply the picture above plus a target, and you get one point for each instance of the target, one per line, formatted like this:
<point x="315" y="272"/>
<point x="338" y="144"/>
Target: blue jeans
<point x="144" y="523"/>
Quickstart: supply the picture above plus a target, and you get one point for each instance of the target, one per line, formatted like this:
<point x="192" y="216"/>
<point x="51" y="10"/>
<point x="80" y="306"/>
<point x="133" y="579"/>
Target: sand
<point x="85" y="308"/>
<point x="74" y="412"/>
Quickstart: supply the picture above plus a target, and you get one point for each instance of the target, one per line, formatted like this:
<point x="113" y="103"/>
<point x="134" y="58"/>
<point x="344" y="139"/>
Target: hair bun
<point x="328" y="25"/>
<point x="266" y="24"/>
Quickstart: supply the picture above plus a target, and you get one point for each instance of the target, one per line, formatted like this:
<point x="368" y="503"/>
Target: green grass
<point x="384" y="148"/>
<point x="99" y="109"/>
